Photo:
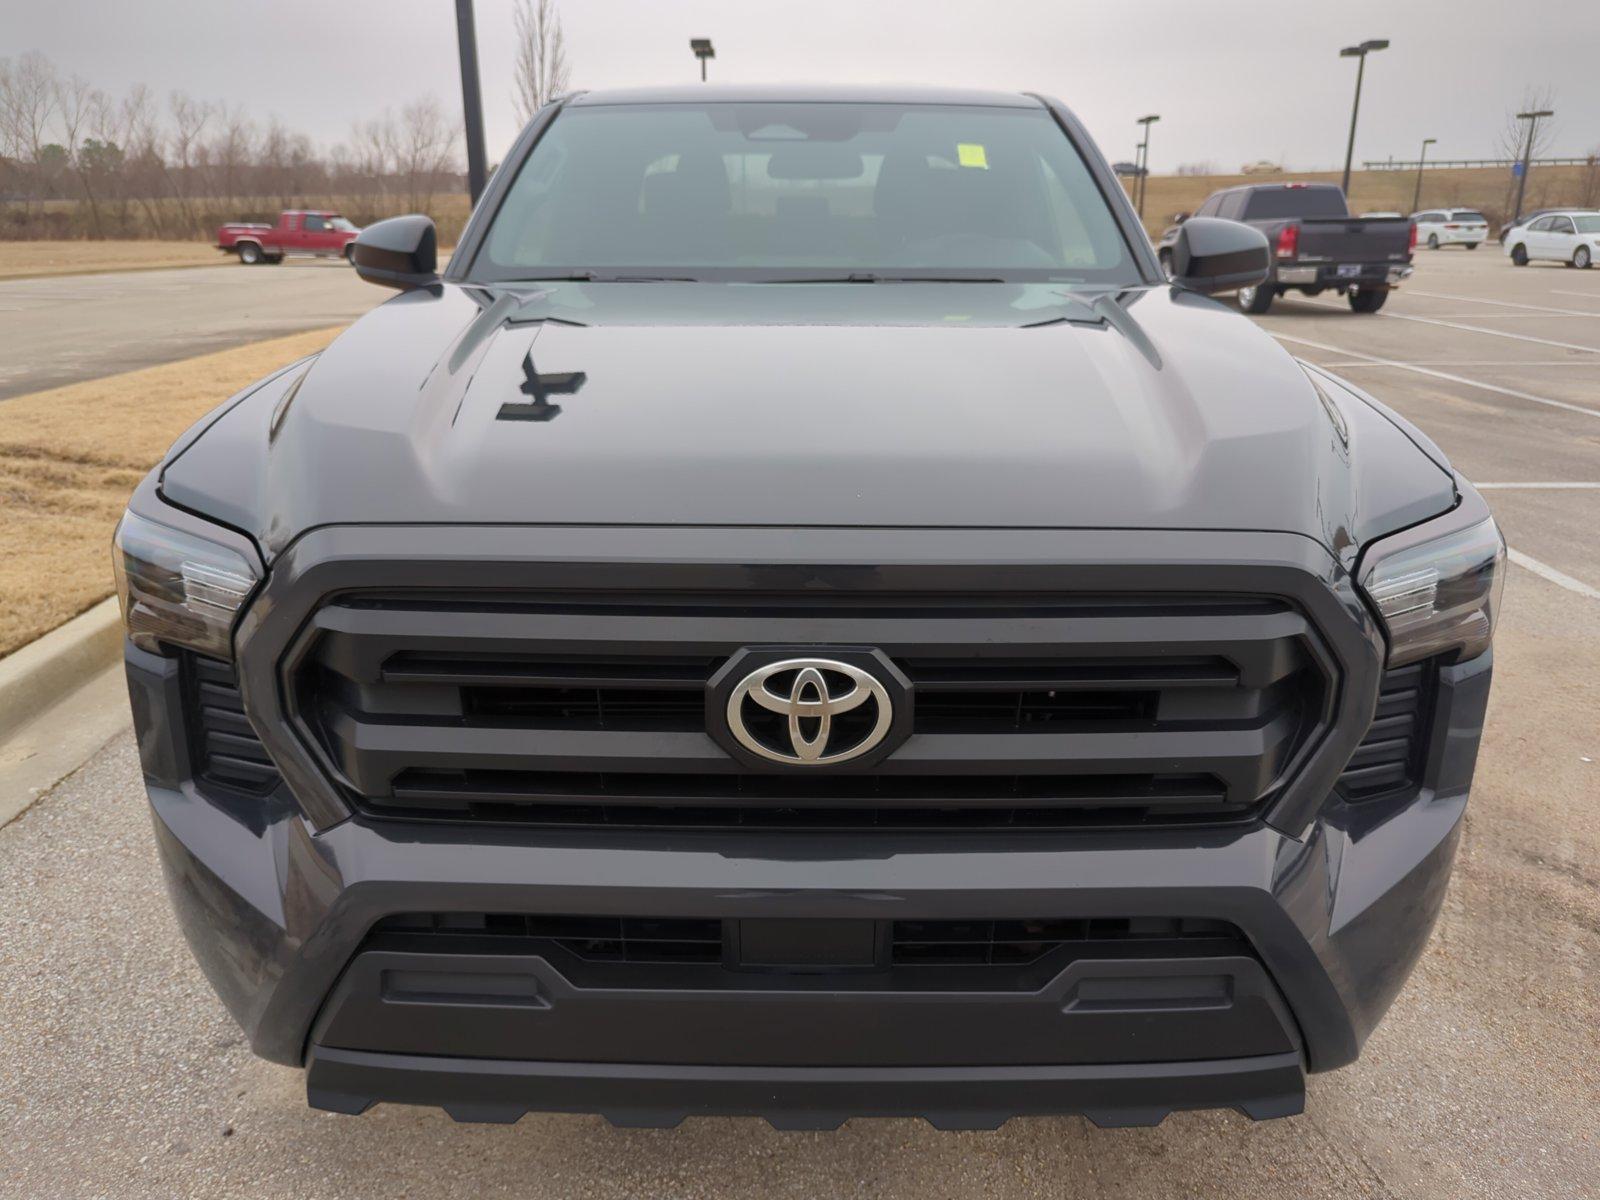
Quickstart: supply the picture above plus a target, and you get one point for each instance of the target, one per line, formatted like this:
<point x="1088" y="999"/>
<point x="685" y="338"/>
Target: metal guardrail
<point x="1433" y="164"/>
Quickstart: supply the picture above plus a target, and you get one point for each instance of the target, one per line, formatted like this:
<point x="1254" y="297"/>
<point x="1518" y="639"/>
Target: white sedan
<point x="1566" y="237"/>
<point x="1450" y="227"/>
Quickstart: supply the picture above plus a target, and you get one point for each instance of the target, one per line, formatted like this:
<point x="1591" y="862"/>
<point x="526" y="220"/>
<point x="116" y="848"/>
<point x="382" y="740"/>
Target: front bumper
<point x="279" y="915"/>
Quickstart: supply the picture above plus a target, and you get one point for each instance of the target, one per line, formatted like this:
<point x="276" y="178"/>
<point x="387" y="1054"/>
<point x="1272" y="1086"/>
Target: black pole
<point x="1350" y="146"/>
<point x="1527" y="158"/>
<point x="1416" y="196"/>
<point x="702" y="69"/>
<point x="1144" y="168"/>
<point x="471" y="99"/>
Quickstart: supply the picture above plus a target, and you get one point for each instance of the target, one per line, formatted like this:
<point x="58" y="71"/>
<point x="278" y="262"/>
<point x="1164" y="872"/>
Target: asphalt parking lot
<point x="66" y="328"/>
<point x="125" y="1077"/>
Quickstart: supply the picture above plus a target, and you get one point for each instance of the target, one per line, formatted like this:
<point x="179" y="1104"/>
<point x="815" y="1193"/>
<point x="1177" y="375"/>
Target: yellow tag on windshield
<point x="970" y="154"/>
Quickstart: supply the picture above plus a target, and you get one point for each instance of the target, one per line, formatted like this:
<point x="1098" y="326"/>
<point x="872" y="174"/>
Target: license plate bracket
<point x="1348" y="270"/>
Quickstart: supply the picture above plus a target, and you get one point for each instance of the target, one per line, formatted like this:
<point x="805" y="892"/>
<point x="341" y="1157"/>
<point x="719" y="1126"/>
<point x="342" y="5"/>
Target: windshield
<point x="1588" y="224"/>
<point x="781" y="191"/>
<point x="1295" y="202"/>
<point x="1472" y="218"/>
<point x="341" y="223"/>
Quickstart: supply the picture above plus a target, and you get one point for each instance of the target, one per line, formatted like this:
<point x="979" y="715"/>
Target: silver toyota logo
<point x="809" y="694"/>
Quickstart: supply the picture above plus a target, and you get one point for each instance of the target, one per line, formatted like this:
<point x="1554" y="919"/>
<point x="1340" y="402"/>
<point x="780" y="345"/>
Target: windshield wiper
<point x="875" y="277"/>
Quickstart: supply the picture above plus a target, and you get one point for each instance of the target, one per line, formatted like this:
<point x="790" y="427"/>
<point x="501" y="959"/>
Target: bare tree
<point x="541" y="67"/>
<point x="78" y="102"/>
<point x="27" y="104"/>
<point x="425" y="147"/>
<point x="1513" y="135"/>
<point x="189" y="120"/>
<point x="228" y="153"/>
<point x="1589" y="180"/>
<point x="1512" y="140"/>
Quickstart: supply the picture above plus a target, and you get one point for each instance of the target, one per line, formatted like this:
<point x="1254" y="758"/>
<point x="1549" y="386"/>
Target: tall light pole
<point x="1360" y="52"/>
<point x="1532" y="118"/>
<point x="702" y="50"/>
<point x="471" y="98"/>
<point x="1143" y="161"/>
<point x="1416" y="196"/>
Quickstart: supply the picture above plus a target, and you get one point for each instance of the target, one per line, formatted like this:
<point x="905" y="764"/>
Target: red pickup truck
<point x="298" y="231"/>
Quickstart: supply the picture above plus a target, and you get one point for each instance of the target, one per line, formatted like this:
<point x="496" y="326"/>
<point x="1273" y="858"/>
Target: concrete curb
<point x="45" y="671"/>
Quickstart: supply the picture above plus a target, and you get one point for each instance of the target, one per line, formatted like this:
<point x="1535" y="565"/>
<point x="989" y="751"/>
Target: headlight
<point x="178" y="588"/>
<point x="1437" y="586"/>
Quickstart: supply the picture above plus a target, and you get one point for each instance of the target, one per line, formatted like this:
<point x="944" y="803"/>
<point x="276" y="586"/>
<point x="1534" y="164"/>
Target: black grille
<point x="1389" y="758"/>
<point x="917" y="944"/>
<point x="227" y="754"/>
<point x="593" y="939"/>
<point x="1018" y="943"/>
<point x="1029" y="710"/>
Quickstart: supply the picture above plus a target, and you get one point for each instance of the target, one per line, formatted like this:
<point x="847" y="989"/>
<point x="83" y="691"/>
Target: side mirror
<point x="402" y="252"/>
<point x="1214" y="255"/>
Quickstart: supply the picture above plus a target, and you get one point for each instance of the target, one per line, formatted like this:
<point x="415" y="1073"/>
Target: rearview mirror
<point x="1213" y="255"/>
<point x="402" y="252"/>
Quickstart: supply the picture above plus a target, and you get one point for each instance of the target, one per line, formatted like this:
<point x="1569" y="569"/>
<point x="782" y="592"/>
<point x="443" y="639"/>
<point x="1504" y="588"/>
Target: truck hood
<point x="809" y="405"/>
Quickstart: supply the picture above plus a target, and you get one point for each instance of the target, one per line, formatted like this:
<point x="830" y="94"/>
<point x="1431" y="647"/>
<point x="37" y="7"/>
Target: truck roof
<point x="1291" y="184"/>
<point x="700" y="93"/>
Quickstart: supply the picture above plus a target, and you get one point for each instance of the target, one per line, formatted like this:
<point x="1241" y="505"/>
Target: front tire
<point x="1367" y="300"/>
<point x="1582" y="259"/>
<point x="1256" y="300"/>
<point x="350" y="254"/>
<point x="1519" y="255"/>
<point x="1472" y="245"/>
<point x="1433" y="241"/>
<point x="249" y="253"/>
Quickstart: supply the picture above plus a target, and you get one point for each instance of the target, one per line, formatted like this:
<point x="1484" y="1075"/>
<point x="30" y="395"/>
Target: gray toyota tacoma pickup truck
<point x="803" y="618"/>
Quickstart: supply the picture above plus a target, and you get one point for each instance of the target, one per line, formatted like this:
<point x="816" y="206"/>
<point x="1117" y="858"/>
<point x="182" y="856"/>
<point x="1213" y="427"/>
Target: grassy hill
<point x="1491" y="190"/>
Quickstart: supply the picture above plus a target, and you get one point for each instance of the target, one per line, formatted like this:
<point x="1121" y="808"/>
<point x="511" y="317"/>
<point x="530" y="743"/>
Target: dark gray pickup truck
<point x="1316" y="244"/>
<point x="803" y="617"/>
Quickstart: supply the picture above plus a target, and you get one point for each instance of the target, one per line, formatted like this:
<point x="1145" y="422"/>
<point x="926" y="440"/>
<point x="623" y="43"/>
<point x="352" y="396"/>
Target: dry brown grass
<point x="1484" y="188"/>
<point x="69" y="458"/>
<point x="19" y="260"/>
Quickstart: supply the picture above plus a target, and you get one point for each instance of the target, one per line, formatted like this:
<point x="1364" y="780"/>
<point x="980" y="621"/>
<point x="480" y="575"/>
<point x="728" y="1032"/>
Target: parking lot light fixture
<point x="1143" y="161"/>
<point x="1416" y="196"/>
<point x="1532" y="118"/>
<point x="1357" y="52"/>
<point x="703" y="50"/>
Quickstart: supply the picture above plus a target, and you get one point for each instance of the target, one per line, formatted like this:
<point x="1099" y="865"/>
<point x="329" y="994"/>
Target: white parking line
<point x="1544" y="571"/>
<point x="1546" y="486"/>
<point x="1517" y="337"/>
<point x="1594" y="295"/>
<point x="1477" y="362"/>
<point x="1568" y="312"/>
<point x="1445" y="375"/>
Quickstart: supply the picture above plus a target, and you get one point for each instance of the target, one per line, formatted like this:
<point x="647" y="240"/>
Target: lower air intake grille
<point x="1389" y="758"/>
<point x="227" y="753"/>
<point x="909" y="944"/>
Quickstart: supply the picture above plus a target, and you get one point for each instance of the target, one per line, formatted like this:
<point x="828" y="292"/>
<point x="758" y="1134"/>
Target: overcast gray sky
<point x="1233" y="80"/>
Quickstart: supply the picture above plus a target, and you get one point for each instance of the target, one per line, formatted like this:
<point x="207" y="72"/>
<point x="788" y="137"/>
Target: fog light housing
<point x="1436" y="587"/>
<point x="178" y="588"/>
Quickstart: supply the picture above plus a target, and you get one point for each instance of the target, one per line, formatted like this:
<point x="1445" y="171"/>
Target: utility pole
<point x="1532" y="118"/>
<point x="1143" y="162"/>
<point x="471" y="99"/>
<point x="1416" y="196"/>
<point x="1358" y="52"/>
